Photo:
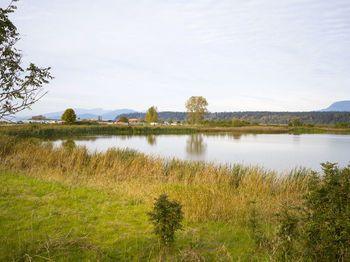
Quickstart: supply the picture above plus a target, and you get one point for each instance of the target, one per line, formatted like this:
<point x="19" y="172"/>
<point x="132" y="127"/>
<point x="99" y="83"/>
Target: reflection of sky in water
<point x="276" y="151"/>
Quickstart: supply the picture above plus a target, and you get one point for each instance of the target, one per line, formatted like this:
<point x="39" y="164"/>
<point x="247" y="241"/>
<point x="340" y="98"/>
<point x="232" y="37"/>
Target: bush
<point x="286" y="246"/>
<point x="326" y="227"/>
<point x="341" y="125"/>
<point x="166" y="218"/>
<point x="319" y="230"/>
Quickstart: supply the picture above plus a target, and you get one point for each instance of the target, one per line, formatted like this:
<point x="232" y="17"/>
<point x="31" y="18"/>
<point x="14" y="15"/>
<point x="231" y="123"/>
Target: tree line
<point x="315" y="118"/>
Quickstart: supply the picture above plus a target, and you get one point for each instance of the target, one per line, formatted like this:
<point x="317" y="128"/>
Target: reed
<point x="206" y="191"/>
<point x="53" y="131"/>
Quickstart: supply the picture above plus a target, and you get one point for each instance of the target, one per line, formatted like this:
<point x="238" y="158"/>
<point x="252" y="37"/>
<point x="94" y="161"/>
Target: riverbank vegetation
<point x="66" y="200"/>
<point x="46" y="131"/>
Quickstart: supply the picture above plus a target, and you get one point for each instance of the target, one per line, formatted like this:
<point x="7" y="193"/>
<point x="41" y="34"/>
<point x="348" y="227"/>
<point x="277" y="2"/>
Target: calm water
<point x="276" y="151"/>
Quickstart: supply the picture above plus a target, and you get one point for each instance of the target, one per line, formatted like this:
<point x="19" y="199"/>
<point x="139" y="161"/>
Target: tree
<point x="151" y="115"/>
<point x="123" y="119"/>
<point x="166" y="218"/>
<point x="196" y="107"/>
<point x="19" y="87"/>
<point x="69" y="115"/>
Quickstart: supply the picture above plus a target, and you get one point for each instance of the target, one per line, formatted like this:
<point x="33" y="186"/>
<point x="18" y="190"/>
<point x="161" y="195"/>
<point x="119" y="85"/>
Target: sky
<point x="241" y="55"/>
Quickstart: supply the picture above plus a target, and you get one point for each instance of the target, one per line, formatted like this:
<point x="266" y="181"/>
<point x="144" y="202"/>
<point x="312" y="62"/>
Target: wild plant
<point x="166" y="218"/>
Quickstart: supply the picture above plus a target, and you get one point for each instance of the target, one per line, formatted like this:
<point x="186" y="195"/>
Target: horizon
<point x="144" y="111"/>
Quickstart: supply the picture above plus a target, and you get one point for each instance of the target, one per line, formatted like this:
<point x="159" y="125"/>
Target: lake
<point x="280" y="152"/>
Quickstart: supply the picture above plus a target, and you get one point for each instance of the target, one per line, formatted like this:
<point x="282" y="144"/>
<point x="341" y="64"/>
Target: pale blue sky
<point x="241" y="55"/>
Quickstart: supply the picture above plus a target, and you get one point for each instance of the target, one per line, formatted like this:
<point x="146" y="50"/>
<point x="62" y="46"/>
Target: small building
<point x="134" y="121"/>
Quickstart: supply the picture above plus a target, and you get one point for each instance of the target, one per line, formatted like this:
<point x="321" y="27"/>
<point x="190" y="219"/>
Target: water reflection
<point x="276" y="151"/>
<point x="152" y="140"/>
<point x="69" y="144"/>
<point x="195" y="145"/>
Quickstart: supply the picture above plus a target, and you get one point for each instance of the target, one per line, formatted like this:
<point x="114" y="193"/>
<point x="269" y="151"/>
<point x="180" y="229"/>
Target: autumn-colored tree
<point x="151" y="115"/>
<point x="197" y="108"/>
<point x="123" y="119"/>
<point x="69" y="116"/>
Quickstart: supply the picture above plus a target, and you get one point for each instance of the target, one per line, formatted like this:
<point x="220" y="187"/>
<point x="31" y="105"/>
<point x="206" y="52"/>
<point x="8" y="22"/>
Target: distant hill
<point x="262" y="117"/>
<point x="340" y="106"/>
<point x="91" y="113"/>
<point x="111" y="115"/>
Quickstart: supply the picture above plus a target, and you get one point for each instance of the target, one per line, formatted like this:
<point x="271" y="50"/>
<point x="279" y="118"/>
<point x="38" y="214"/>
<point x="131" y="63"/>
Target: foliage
<point x="327" y="224"/>
<point x="237" y="122"/>
<point x="123" y="119"/>
<point x="320" y="229"/>
<point x="297" y="122"/>
<point x="69" y="115"/>
<point x="19" y="87"/>
<point x="196" y="107"/>
<point x="166" y="218"/>
<point x="151" y="115"/>
<point x="255" y="226"/>
<point x="283" y="118"/>
<point x="285" y="244"/>
<point x="342" y="125"/>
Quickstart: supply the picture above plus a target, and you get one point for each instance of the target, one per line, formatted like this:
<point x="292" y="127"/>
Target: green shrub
<point x="286" y="246"/>
<point x="326" y="228"/>
<point x="255" y="225"/>
<point x="341" y="125"/>
<point x="319" y="230"/>
<point x="166" y="218"/>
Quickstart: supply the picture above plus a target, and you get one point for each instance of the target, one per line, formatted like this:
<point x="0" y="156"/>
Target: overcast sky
<point x="239" y="54"/>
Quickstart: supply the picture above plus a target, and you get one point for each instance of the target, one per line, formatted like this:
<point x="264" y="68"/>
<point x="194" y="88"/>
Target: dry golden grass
<point x="206" y="191"/>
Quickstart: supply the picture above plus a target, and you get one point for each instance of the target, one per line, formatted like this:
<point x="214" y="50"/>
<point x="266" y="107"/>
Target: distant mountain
<point x="111" y="115"/>
<point x="340" y="106"/>
<point x="91" y="113"/>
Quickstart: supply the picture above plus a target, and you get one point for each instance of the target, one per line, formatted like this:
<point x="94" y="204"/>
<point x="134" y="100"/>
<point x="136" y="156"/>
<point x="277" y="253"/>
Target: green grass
<point x="42" y="220"/>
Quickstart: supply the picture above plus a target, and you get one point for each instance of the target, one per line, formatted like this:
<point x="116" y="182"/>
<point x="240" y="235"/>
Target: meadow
<point x="217" y="200"/>
<point x="66" y="203"/>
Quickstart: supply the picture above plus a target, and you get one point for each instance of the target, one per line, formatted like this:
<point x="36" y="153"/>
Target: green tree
<point x="196" y="107"/>
<point x="123" y="119"/>
<point x="151" y="115"/>
<point x="297" y="122"/>
<point x="19" y="87"/>
<point x="166" y="218"/>
<point x="69" y="115"/>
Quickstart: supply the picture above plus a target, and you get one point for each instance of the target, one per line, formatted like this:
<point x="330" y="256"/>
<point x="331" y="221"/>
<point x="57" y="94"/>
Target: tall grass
<point x="206" y="191"/>
<point x="54" y="131"/>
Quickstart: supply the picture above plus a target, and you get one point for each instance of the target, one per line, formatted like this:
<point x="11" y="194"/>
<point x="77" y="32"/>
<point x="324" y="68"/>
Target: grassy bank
<point x="207" y="191"/>
<point x="48" y="131"/>
<point x="59" y="202"/>
<point x="50" y="221"/>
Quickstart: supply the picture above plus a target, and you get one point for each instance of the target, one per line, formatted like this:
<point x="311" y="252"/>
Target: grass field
<point x="66" y="204"/>
<point x="43" y="220"/>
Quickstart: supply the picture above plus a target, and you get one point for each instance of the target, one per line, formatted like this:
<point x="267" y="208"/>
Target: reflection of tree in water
<point x="195" y="145"/>
<point x="236" y="136"/>
<point x="152" y="140"/>
<point x="125" y="137"/>
<point x="69" y="144"/>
